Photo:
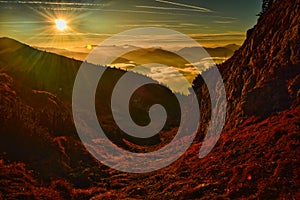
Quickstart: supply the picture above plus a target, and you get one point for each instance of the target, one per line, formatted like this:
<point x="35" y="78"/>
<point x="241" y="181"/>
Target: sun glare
<point x="61" y="24"/>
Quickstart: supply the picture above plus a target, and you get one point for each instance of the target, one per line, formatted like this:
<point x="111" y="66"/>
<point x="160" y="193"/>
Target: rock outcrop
<point x="262" y="77"/>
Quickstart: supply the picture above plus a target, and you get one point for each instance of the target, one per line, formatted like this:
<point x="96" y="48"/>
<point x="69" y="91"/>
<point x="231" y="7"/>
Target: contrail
<point x="185" y="5"/>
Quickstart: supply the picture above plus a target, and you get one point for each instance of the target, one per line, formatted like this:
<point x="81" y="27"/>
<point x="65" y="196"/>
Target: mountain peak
<point x="232" y="47"/>
<point x="275" y="37"/>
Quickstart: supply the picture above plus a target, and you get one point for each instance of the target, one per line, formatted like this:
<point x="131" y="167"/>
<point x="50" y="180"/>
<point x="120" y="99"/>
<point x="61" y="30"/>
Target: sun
<point x="89" y="47"/>
<point x="61" y="24"/>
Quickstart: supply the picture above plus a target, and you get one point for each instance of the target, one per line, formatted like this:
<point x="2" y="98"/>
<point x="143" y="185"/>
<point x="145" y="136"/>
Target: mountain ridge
<point x="82" y="53"/>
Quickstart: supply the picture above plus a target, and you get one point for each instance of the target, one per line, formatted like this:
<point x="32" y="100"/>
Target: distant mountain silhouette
<point x="232" y="47"/>
<point x="219" y="53"/>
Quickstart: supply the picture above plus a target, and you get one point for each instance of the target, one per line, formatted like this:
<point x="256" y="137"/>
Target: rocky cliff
<point x="263" y="76"/>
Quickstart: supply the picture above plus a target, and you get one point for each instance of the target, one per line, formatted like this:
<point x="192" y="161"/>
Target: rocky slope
<point x="257" y="155"/>
<point x="262" y="77"/>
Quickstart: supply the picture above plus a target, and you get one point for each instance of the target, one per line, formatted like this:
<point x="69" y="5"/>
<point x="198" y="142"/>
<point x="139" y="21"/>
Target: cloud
<point x="73" y="4"/>
<point x="151" y="25"/>
<point x="86" y="35"/>
<point x="229" y="34"/>
<point x="141" y="11"/>
<point x="219" y="39"/>
<point x="177" y="80"/>
<point x="223" y="22"/>
<point x="106" y="10"/>
<point x="190" y="24"/>
<point x="168" y="8"/>
<point x="201" y="9"/>
<point x="80" y="6"/>
<point x="14" y="24"/>
<point x="22" y="22"/>
<point x="228" y="18"/>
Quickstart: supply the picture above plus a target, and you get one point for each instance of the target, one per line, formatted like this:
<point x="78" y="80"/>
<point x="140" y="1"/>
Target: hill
<point x="37" y="126"/>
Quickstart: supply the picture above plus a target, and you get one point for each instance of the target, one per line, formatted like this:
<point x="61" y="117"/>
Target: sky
<point x="211" y="23"/>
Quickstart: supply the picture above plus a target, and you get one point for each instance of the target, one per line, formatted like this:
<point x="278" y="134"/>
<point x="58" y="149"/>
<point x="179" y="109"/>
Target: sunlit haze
<point x="81" y="23"/>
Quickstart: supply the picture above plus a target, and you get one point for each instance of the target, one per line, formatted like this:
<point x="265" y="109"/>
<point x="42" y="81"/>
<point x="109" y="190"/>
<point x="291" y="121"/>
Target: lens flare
<point x="89" y="47"/>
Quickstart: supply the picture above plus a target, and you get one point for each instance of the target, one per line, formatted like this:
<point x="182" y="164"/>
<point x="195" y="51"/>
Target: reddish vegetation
<point x="257" y="160"/>
<point x="257" y="156"/>
<point x="17" y="183"/>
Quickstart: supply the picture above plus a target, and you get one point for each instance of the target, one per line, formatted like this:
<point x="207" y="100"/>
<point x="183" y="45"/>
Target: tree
<point x="265" y="6"/>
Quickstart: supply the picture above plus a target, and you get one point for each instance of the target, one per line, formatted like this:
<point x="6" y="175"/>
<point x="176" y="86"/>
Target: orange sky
<point x="211" y="23"/>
